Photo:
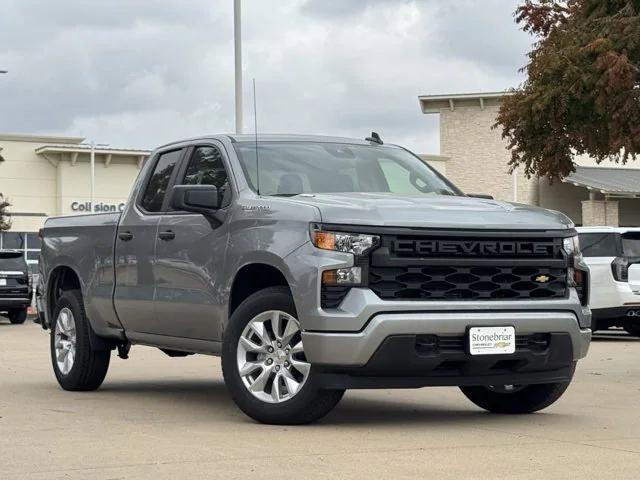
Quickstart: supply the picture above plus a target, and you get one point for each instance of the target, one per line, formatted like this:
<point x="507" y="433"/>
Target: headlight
<point x="355" y="243"/>
<point x="571" y="246"/>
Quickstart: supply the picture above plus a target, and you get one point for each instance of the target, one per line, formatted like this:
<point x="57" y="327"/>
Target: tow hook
<point x="123" y="350"/>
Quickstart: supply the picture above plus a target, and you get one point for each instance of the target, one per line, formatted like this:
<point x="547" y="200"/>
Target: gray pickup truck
<point x="312" y="265"/>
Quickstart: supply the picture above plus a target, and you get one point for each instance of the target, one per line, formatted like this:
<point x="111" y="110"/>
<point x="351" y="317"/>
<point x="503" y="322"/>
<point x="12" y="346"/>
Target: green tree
<point x="582" y="93"/>
<point x="5" y="218"/>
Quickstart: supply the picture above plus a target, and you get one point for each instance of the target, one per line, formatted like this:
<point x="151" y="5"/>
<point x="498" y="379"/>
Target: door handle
<point x="166" y="235"/>
<point x="125" y="236"/>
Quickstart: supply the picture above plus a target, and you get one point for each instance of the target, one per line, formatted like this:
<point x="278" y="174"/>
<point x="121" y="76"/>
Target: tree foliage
<point x="5" y="218"/>
<point x="582" y="93"/>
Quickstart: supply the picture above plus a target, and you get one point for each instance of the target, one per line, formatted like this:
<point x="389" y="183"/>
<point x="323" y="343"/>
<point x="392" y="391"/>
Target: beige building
<point x="475" y="158"/>
<point x="44" y="176"/>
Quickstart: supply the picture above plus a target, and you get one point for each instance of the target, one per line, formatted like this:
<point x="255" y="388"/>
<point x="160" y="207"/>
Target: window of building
<point x="157" y="187"/>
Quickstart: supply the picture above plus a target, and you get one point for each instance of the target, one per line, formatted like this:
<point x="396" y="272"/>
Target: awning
<point x="607" y="180"/>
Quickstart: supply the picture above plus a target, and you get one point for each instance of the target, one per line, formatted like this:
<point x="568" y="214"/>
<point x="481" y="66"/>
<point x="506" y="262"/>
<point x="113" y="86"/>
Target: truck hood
<point x="439" y="211"/>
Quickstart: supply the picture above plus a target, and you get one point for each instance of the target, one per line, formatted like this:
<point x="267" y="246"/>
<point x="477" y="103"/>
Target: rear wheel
<point x="515" y="399"/>
<point x="77" y="366"/>
<point x="264" y="366"/>
<point x="18" y="316"/>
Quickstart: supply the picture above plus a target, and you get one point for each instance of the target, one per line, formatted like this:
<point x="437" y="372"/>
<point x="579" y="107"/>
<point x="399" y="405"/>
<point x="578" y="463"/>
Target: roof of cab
<point x="278" y="137"/>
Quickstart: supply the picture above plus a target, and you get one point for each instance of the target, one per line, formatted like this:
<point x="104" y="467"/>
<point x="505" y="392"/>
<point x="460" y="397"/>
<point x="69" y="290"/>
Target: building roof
<point x="435" y="103"/>
<point x="22" y="137"/>
<point x="86" y="148"/>
<point x="607" y="180"/>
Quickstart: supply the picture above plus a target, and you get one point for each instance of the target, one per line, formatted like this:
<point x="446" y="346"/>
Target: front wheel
<point x="515" y="399"/>
<point x="18" y="316"/>
<point x="264" y="366"/>
<point x="76" y="364"/>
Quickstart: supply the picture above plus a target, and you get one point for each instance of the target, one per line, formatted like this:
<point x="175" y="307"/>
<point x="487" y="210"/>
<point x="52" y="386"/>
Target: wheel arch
<point x="251" y="278"/>
<point x="62" y="278"/>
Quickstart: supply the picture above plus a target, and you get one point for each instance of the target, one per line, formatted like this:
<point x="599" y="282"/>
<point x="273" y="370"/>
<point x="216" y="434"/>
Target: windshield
<point x="291" y="168"/>
<point x="631" y="244"/>
<point x="12" y="260"/>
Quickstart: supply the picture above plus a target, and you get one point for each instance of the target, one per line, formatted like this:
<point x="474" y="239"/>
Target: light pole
<point x="237" y="43"/>
<point x="93" y="173"/>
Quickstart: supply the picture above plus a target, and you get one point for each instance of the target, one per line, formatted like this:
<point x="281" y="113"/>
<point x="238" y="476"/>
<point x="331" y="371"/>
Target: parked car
<point x="314" y="265"/>
<point x="613" y="256"/>
<point x="15" y="285"/>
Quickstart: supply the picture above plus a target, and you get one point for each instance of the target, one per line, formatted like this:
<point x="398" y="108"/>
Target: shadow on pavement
<point x="212" y="396"/>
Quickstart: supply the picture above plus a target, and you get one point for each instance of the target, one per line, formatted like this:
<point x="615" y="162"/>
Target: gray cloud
<point x="141" y="73"/>
<point x="342" y="8"/>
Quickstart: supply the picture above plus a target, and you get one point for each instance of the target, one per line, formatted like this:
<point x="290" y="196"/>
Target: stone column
<point x="600" y="213"/>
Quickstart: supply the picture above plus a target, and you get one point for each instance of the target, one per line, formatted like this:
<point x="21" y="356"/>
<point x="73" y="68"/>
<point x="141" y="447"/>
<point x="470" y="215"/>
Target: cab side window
<point x="159" y="181"/>
<point x="206" y="167"/>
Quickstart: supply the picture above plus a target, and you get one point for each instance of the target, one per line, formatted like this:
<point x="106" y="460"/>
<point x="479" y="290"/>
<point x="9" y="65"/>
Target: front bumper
<point x="627" y="312"/>
<point x="356" y="349"/>
<point x="399" y="351"/>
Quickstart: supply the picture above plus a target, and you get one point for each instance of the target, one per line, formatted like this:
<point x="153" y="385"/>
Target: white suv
<point x="613" y="256"/>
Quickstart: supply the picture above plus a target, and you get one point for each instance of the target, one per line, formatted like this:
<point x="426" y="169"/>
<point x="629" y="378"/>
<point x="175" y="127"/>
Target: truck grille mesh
<point x="467" y="283"/>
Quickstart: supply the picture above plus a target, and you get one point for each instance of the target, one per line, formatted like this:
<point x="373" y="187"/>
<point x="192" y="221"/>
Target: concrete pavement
<point x="162" y="418"/>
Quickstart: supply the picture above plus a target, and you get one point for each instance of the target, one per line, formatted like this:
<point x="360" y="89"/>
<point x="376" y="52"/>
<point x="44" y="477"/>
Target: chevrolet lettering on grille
<point x="472" y="248"/>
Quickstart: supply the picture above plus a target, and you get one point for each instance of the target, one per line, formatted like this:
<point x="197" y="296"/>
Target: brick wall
<point x="600" y="212"/>
<point x="478" y="157"/>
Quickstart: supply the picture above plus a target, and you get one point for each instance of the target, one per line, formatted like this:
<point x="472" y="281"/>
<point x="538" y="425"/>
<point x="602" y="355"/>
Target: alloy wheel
<point x="270" y="357"/>
<point x="65" y="341"/>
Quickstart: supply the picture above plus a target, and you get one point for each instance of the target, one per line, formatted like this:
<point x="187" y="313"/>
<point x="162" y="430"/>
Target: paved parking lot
<point x="157" y="417"/>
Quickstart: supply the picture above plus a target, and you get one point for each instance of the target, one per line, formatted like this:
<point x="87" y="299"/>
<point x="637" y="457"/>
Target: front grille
<point x="467" y="283"/>
<point x="477" y="266"/>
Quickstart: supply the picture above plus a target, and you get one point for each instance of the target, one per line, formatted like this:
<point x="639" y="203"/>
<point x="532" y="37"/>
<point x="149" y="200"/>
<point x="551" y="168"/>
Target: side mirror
<point x="480" y="195"/>
<point x="195" y="198"/>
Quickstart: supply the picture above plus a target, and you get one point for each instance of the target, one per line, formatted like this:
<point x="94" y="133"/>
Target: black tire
<point x="309" y="404"/>
<point x="529" y="399"/>
<point x="90" y="366"/>
<point x="633" y="329"/>
<point x="18" y="316"/>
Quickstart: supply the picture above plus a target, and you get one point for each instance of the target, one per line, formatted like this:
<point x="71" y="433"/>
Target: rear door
<point x="190" y="252"/>
<point x="135" y="245"/>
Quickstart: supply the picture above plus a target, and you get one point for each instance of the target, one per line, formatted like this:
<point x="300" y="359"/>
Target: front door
<point x="135" y="246"/>
<point x="190" y="251"/>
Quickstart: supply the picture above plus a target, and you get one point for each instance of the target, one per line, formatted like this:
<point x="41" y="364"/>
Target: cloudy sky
<point x="139" y="73"/>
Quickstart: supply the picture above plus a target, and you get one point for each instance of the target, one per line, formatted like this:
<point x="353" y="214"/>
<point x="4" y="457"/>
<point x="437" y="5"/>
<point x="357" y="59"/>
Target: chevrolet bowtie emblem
<point x="542" y="279"/>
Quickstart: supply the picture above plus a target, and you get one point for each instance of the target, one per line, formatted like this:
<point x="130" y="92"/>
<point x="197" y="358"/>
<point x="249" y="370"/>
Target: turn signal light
<point x="342" y="276"/>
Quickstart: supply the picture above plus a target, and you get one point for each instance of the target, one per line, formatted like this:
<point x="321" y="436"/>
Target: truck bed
<point x="85" y="243"/>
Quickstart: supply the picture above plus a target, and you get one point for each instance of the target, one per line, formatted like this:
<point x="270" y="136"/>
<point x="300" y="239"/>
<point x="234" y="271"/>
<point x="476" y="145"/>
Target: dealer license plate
<point x="492" y="340"/>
